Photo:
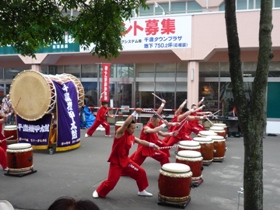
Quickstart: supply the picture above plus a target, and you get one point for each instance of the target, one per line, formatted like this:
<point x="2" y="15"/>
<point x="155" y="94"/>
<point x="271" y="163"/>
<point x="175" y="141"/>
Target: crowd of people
<point x="149" y="143"/>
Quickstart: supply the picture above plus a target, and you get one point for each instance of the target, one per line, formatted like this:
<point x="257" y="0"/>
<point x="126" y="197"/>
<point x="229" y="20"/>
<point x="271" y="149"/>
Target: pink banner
<point x="106" y="81"/>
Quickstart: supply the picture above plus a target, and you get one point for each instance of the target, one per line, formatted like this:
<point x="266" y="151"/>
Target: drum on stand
<point x="207" y="149"/>
<point x="189" y="145"/>
<point x="219" y="130"/>
<point x="219" y="148"/>
<point x="194" y="160"/>
<point x="223" y="125"/>
<point x="20" y="159"/>
<point x="32" y="95"/>
<point x="174" y="184"/>
<point x="118" y="124"/>
<point x="11" y="131"/>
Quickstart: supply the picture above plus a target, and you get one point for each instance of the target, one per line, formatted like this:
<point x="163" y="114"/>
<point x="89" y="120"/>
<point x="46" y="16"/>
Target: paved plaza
<point x="78" y="172"/>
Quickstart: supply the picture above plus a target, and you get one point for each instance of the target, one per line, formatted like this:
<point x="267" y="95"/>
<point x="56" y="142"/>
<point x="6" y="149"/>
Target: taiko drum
<point x="175" y="183"/>
<point x="194" y="160"/>
<point x="189" y="145"/>
<point x="20" y="157"/>
<point x="207" y="149"/>
<point x="219" y="144"/>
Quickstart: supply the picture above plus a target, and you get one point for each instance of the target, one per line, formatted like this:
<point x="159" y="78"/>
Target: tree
<point x="29" y="25"/>
<point x="251" y="119"/>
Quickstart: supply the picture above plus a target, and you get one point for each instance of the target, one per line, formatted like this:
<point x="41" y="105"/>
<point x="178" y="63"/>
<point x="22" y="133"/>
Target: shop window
<point x="193" y="7"/>
<point x="89" y="71"/>
<point x="178" y="7"/>
<point x="73" y="69"/>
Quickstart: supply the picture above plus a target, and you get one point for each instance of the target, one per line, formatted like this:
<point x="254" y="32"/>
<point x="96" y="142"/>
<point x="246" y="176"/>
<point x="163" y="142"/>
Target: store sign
<point x="67" y="46"/>
<point x="157" y="33"/>
<point x="106" y="81"/>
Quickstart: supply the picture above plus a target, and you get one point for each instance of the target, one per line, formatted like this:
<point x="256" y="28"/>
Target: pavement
<point x="78" y="173"/>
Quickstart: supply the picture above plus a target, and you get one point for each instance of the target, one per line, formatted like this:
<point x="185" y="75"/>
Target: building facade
<point x="176" y="49"/>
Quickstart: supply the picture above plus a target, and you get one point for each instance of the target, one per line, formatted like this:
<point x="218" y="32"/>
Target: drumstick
<point x="216" y="112"/>
<point x="154" y="112"/>
<point x="168" y="147"/>
<point x="209" y="120"/>
<point x="7" y="138"/>
<point x="157" y="96"/>
<point x="116" y="112"/>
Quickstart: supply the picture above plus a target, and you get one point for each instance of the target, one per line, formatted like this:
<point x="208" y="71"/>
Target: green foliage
<point x="29" y="25"/>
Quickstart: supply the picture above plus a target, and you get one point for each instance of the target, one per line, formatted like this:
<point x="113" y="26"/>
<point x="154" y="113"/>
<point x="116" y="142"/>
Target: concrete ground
<point x="77" y="173"/>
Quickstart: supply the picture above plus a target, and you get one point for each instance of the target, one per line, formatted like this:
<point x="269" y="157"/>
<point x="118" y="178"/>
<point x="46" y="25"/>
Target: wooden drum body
<point x="189" y="145"/>
<point x="207" y="149"/>
<point x="219" y="148"/>
<point x="20" y="157"/>
<point x="223" y="125"/>
<point x="194" y="160"/>
<point x="118" y="124"/>
<point x="11" y="131"/>
<point x="219" y="130"/>
<point x="174" y="183"/>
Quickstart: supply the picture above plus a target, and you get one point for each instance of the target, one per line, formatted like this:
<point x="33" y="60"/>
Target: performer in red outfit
<point x="100" y="119"/>
<point x="3" y="144"/>
<point x="182" y="129"/>
<point x="194" y="125"/>
<point x="149" y="132"/>
<point x="121" y="163"/>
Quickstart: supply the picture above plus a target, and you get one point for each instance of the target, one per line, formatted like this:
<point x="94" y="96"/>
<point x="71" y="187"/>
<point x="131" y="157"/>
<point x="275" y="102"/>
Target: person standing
<point x="100" y="119"/>
<point x="121" y="163"/>
<point x="3" y="144"/>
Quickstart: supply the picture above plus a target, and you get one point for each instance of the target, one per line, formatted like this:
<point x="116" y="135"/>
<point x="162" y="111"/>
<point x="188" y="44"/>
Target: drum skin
<point x="20" y="157"/>
<point x="175" y="184"/>
<point x="189" y="145"/>
<point x="219" y="130"/>
<point x="32" y="95"/>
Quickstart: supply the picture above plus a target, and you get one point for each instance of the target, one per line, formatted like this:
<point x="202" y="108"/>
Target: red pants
<point x="159" y="155"/>
<point x="132" y="169"/>
<point x="174" y="140"/>
<point x="95" y="125"/>
<point x="3" y="158"/>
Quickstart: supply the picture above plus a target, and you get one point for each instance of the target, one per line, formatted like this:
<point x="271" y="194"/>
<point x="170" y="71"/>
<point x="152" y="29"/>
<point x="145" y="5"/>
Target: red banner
<point x="106" y="81"/>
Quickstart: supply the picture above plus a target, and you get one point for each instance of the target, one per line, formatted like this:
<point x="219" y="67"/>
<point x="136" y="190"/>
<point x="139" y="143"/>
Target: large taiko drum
<point x="223" y="125"/>
<point x="219" y="148"/>
<point x="79" y="89"/>
<point x="219" y="130"/>
<point x="207" y="149"/>
<point x="194" y="160"/>
<point x="189" y="145"/>
<point x="63" y="78"/>
<point x="206" y="133"/>
<point x="174" y="183"/>
<point x="32" y="95"/>
<point x="20" y="157"/>
<point x="11" y="134"/>
<point x="118" y="124"/>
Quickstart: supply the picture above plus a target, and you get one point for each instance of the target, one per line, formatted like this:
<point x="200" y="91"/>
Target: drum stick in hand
<point x="6" y="138"/>
<point x="209" y="121"/>
<point x="157" y="97"/>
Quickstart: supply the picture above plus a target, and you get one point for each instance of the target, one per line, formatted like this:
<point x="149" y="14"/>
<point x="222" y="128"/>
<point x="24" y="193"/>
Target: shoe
<point x="86" y="135"/>
<point x="145" y="193"/>
<point x="95" y="194"/>
<point x="108" y="135"/>
<point x="5" y="169"/>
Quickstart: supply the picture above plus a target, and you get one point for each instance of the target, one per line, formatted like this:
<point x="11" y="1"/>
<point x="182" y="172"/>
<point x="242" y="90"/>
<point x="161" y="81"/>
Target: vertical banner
<point x="68" y="120"/>
<point x="106" y="81"/>
<point x="36" y="132"/>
